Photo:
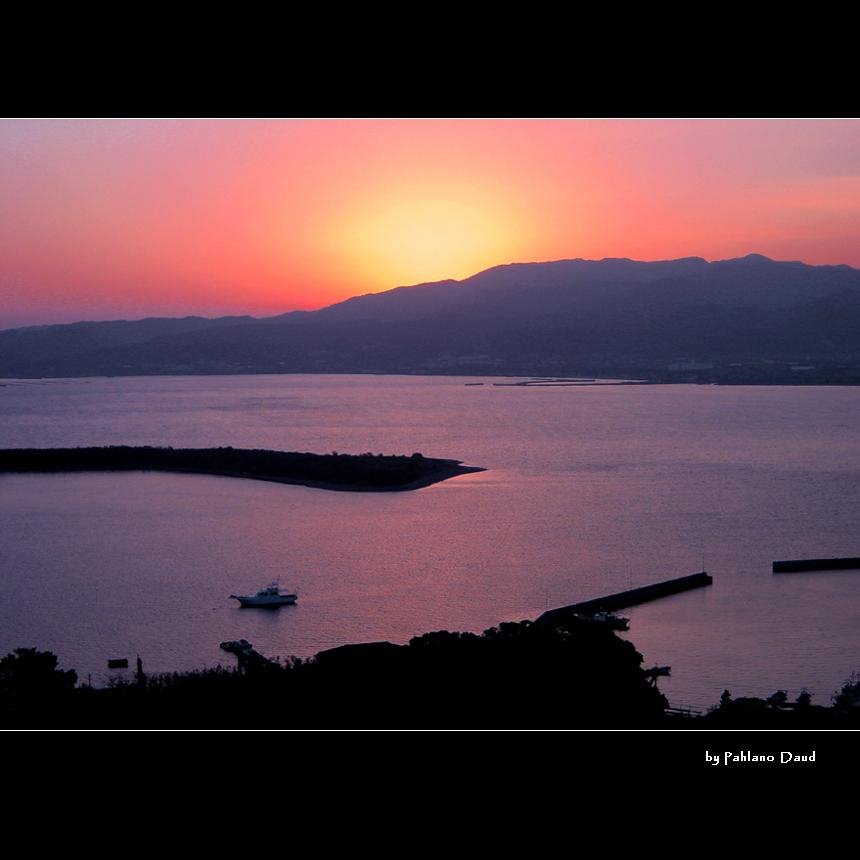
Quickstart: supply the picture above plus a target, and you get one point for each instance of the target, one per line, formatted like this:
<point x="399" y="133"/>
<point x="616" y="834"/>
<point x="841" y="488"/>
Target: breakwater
<point x="802" y="564"/>
<point x="623" y="599"/>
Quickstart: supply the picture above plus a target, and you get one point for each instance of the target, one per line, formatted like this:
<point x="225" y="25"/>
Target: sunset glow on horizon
<point x="109" y="219"/>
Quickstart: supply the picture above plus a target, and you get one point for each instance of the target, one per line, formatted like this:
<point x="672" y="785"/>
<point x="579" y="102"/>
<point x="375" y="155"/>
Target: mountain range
<point x="748" y="319"/>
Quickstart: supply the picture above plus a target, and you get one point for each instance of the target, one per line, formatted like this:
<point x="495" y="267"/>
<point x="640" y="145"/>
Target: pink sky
<point x="107" y="219"/>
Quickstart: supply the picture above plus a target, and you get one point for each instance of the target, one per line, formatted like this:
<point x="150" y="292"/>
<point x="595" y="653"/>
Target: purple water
<point x="590" y="490"/>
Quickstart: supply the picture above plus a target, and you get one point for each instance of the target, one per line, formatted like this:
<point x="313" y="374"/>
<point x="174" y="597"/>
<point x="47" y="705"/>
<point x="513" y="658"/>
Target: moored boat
<point x="269" y="596"/>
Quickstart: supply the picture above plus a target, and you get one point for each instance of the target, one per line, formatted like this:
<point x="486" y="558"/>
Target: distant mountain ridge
<point x="611" y="316"/>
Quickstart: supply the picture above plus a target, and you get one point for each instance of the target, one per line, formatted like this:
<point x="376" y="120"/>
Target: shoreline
<point x="823" y="379"/>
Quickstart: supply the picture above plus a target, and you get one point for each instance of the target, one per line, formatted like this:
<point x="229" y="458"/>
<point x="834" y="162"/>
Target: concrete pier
<point x="801" y="564"/>
<point x="623" y="599"/>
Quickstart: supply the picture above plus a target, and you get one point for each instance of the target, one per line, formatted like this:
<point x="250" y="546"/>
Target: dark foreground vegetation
<point x="328" y="471"/>
<point x="777" y="712"/>
<point x="516" y="675"/>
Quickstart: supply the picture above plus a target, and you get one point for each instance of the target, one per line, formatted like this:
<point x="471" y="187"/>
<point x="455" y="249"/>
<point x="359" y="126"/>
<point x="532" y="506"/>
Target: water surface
<point x="590" y="490"/>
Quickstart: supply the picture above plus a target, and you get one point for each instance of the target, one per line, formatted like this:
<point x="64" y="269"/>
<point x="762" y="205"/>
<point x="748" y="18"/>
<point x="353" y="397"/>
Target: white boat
<point x="271" y="595"/>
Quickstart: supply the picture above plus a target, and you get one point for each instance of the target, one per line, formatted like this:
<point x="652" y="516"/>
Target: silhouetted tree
<point x="849" y="695"/>
<point x="778" y="700"/>
<point x="804" y="700"/>
<point x="29" y="673"/>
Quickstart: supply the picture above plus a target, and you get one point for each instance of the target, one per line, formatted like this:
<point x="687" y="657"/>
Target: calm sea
<point x="589" y="490"/>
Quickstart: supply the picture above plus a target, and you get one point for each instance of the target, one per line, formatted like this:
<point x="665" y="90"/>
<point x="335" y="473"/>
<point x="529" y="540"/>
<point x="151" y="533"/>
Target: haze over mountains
<point x="749" y="319"/>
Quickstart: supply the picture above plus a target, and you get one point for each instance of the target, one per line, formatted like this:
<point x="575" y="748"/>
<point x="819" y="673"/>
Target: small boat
<point x="612" y="621"/>
<point x="608" y="619"/>
<point x="269" y="596"/>
<point x="237" y="646"/>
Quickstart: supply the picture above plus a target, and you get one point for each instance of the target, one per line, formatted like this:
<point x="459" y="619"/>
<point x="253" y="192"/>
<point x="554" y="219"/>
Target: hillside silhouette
<point x="750" y="319"/>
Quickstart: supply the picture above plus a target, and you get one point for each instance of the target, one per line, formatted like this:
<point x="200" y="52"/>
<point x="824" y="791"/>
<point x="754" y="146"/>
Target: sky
<point x="123" y="219"/>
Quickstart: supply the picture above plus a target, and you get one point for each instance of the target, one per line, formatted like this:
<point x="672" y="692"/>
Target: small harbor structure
<point x="800" y="565"/>
<point x="623" y="599"/>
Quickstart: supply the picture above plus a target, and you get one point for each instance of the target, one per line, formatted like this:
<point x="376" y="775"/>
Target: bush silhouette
<point x="28" y="673"/>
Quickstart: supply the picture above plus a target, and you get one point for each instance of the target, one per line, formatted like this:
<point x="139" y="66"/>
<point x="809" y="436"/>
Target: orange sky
<point x="104" y="219"/>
